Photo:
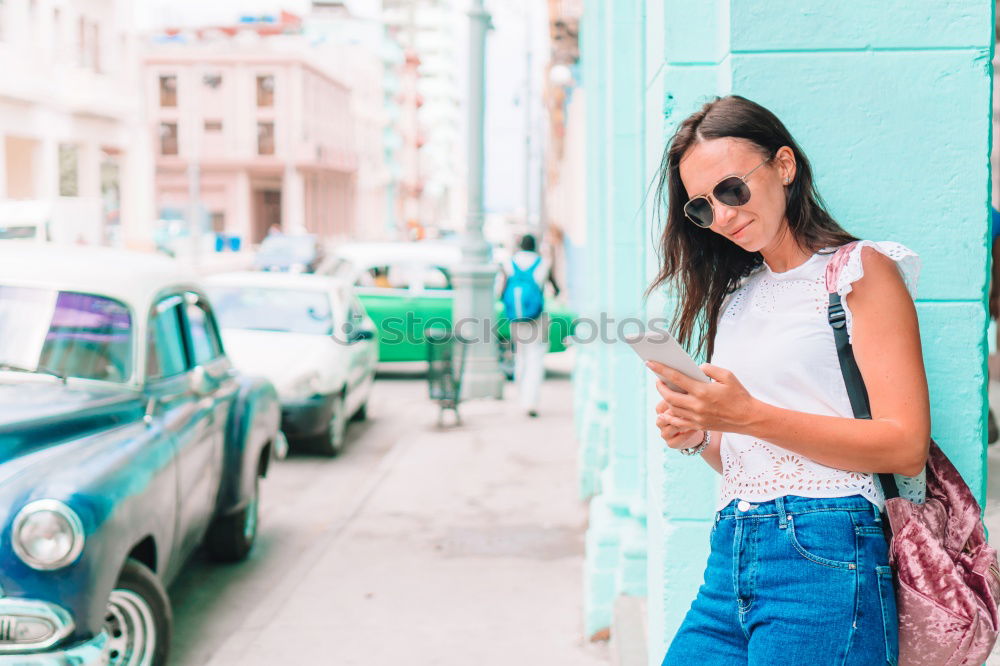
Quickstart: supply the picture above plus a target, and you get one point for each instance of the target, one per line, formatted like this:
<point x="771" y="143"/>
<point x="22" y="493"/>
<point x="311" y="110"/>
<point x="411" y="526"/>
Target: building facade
<point x="256" y="129"/>
<point x="862" y="87"/>
<point x="430" y="120"/>
<point x="74" y="156"/>
<point x="357" y="35"/>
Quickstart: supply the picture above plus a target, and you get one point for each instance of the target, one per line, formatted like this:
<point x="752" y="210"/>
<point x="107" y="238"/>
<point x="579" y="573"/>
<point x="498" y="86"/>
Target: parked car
<point x="312" y="338"/>
<point x="291" y="253"/>
<point x="25" y="220"/>
<point x="126" y="440"/>
<point x="407" y="286"/>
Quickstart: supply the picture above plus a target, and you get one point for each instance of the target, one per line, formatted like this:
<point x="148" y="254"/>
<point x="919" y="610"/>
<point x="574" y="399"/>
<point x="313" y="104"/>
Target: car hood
<point x="281" y="357"/>
<point x="36" y="415"/>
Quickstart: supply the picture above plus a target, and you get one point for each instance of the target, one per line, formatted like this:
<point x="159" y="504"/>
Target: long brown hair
<point x="702" y="265"/>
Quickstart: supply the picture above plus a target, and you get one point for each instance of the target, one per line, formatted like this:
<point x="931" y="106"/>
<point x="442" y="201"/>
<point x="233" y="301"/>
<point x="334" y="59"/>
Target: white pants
<point x="531" y="342"/>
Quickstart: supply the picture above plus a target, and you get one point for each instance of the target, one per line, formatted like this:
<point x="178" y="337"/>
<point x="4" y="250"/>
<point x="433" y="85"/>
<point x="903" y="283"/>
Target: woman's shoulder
<point x="849" y="263"/>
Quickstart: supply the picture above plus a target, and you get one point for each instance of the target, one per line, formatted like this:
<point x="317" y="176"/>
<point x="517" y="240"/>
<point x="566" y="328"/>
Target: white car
<point x="311" y="337"/>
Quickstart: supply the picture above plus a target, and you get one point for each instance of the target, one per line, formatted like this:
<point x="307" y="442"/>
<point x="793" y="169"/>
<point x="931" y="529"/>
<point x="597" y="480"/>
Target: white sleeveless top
<point x="774" y="336"/>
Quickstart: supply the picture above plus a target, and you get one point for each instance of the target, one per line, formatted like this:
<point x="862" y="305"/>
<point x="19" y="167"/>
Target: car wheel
<point x="361" y="413"/>
<point x="331" y="442"/>
<point x="138" y="621"/>
<point x="231" y="538"/>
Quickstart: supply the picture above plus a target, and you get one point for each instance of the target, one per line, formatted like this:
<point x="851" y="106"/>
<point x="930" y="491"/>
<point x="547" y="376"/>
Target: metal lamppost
<point x="474" y="310"/>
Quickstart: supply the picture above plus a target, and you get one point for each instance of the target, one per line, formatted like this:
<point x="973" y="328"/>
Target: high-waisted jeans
<point x="794" y="581"/>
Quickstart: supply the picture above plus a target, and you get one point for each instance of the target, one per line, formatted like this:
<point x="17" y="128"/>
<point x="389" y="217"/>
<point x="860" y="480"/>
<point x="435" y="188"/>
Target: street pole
<point x="474" y="310"/>
<point x="194" y="209"/>
<point x="527" y="116"/>
<point x="194" y="176"/>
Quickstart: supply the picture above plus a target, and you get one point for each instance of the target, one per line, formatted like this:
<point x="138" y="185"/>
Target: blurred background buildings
<point x="74" y="154"/>
<point x="125" y="122"/>
<point x="268" y="126"/>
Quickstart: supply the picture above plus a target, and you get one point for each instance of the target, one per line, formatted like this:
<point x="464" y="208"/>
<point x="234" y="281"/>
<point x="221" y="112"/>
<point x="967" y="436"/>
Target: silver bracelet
<point x="695" y="450"/>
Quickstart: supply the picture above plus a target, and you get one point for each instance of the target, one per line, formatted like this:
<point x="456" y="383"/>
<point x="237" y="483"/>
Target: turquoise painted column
<point x="616" y="541"/>
<point x="590" y="401"/>
<point x="691" y="42"/>
<point x="891" y="102"/>
<point x="603" y="541"/>
<point x="626" y="240"/>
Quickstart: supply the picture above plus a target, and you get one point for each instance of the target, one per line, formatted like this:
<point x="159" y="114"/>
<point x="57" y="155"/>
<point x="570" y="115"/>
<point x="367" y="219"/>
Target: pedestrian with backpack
<point x="523" y="295"/>
<point x="836" y="510"/>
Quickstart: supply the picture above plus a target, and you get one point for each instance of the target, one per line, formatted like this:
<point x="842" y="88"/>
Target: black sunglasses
<point x="731" y="191"/>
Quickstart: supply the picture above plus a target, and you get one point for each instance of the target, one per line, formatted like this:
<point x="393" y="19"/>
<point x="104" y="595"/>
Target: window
<point x="212" y="80"/>
<point x="82" y="54"/>
<point x="165" y="352"/>
<point x="265" y="138"/>
<point x="95" y="47"/>
<point x="307" y="312"/>
<point x="168" y="138"/>
<point x="56" y="28"/>
<point x="213" y="125"/>
<point x="66" y="333"/>
<point x="265" y="90"/>
<point x="111" y="194"/>
<point x="205" y="343"/>
<point x="416" y="277"/>
<point x="356" y="313"/>
<point x="69" y="170"/>
<point x="218" y="221"/>
<point x="168" y="91"/>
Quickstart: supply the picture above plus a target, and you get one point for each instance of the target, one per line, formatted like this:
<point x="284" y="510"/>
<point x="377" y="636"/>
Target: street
<point x="416" y="546"/>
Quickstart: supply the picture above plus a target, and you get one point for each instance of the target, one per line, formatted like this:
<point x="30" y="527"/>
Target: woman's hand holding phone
<point x="676" y="438"/>
<point x="723" y="404"/>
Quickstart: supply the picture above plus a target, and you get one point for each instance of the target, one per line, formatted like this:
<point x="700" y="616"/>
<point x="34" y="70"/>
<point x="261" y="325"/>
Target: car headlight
<point x="47" y="535"/>
<point x="304" y="387"/>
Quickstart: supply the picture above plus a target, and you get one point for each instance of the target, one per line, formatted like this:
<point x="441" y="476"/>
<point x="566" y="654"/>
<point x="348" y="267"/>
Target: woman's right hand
<point x="675" y="438"/>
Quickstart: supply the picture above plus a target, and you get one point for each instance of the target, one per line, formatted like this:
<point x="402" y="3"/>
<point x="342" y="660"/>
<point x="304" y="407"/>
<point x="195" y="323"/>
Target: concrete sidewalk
<point x="466" y="547"/>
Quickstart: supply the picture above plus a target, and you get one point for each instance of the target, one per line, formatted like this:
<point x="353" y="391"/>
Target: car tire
<point x="361" y="413"/>
<point x="138" y="620"/>
<point x="331" y="441"/>
<point x="231" y="538"/>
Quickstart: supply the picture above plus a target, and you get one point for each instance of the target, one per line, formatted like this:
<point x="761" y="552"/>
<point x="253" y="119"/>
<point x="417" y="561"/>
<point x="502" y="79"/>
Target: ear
<point x="785" y="160"/>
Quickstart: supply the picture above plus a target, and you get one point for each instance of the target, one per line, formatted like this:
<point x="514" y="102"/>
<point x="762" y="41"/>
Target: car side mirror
<point x="361" y="334"/>
<point x="198" y="381"/>
<point x="147" y="417"/>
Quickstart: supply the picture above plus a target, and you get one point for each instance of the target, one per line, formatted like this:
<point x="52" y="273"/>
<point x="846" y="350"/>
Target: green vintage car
<point x="406" y="288"/>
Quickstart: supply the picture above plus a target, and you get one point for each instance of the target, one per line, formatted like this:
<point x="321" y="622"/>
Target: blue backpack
<point x="523" y="298"/>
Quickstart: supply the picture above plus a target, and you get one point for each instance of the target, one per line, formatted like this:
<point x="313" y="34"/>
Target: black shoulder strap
<point x="853" y="380"/>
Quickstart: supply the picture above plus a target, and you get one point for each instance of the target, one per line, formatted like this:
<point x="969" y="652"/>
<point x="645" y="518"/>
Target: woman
<point x="798" y="567"/>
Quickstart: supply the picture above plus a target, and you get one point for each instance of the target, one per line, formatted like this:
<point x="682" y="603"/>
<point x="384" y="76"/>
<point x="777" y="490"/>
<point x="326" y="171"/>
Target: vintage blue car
<point x="126" y="440"/>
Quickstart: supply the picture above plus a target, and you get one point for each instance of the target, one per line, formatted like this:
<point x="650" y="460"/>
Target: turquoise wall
<point x="891" y="101"/>
<point x="612" y="465"/>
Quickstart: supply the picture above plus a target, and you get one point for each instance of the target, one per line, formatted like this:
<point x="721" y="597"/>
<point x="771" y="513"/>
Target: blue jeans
<point x="793" y="581"/>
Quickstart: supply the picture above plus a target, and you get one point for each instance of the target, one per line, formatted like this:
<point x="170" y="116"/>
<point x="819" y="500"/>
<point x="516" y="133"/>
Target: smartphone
<point x="658" y="345"/>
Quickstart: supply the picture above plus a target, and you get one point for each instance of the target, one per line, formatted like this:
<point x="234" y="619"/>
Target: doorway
<point x="266" y="212"/>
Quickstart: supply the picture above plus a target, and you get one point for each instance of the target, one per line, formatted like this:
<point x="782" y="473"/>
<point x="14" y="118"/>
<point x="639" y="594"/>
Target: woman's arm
<point x="677" y="438"/>
<point x="886" y="343"/>
<point x="713" y="453"/>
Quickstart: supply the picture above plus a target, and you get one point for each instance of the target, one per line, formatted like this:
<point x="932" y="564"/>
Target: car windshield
<point x="66" y="333"/>
<point x="405" y="276"/>
<point x="273" y="309"/>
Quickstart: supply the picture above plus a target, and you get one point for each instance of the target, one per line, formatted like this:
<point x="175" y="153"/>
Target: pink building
<point x="271" y="132"/>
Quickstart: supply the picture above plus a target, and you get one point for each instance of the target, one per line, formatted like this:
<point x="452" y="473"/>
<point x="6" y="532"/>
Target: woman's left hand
<point x="723" y="405"/>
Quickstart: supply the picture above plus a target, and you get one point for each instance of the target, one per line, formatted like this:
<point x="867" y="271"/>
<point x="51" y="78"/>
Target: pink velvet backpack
<point x="947" y="578"/>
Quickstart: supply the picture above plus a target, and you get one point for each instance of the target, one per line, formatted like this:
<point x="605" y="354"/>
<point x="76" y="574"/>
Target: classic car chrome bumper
<point x="89" y="653"/>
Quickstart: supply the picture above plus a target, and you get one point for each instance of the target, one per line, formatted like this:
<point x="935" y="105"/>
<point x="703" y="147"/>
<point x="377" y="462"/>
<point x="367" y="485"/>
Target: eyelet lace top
<point x="774" y="336"/>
